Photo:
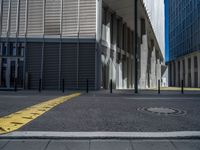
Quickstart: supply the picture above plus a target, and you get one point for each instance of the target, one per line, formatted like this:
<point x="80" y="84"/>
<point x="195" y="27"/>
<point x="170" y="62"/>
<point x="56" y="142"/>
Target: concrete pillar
<point x="119" y="63"/>
<point x="125" y="73"/>
<point x="181" y="71"/>
<point x="107" y="36"/>
<point x="143" y="62"/>
<point x="120" y="76"/>
<point x="177" y="74"/>
<point x="186" y="72"/>
<point x="198" y="59"/>
<point x="114" y="46"/>
<point x="132" y="73"/>
<point x="153" y="69"/>
<point x="130" y="70"/>
<point x="172" y="74"/>
<point x="158" y="70"/>
<point x="108" y="41"/>
<point x="192" y="72"/>
<point x="129" y="62"/>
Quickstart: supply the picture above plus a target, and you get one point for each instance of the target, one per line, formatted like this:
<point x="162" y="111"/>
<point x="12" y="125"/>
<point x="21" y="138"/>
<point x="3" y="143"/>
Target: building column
<point x="153" y="69"/>
<point x="126" y="55"/>
<point x="113" y="49"/>
<point x="192" y="72"/>
<point x="198" y="59"/>
<point x="181" y="70"/>
<point x="186" y="72"/>
<point x="177" y="74"/>
<point x="158" y="70"/>
<point x="143" y="62"/>
<point x="121" y="54"/>
<point x="172" y="73"/>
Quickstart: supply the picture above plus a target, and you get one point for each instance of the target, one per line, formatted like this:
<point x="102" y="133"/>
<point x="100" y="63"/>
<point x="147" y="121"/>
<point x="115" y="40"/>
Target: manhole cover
<point x="162" y="111"/>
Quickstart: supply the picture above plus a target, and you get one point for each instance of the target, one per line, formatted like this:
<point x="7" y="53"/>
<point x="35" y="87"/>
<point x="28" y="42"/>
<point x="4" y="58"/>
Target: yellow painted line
<point x="18" y="119"/>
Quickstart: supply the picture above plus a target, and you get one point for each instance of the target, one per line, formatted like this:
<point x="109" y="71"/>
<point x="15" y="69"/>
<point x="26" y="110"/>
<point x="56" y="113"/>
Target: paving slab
<point x="69" y="145"/>
<point x="110" y="145"/>
<point x="3" y="143"/>
<point x="187" y="144"/>
<point x="26" y="145"/>
<point x="98" y="144"/>
<point x="153" y="145"/>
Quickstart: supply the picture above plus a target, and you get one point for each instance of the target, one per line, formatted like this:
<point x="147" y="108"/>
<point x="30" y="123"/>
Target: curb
<point x="102" y="135"/>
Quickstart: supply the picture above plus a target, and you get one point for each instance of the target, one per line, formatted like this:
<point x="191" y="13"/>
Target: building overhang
<point x="125" y="9"/>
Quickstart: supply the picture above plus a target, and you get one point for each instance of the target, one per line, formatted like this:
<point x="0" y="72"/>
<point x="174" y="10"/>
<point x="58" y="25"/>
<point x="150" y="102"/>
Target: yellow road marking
<point x="18" y="119"/>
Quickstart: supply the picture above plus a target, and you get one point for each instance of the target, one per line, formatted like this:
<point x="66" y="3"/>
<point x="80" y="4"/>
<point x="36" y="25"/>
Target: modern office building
<point x="184" y="42"/>
<point x="46" y="41"/>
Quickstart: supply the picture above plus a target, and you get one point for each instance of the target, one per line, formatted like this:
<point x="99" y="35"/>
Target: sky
<point x="166" y="32"/>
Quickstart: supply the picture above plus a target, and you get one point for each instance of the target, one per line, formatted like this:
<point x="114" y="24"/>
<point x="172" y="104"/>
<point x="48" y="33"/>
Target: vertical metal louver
<point x="86" y="65"/>
<point x="5" y="14"/>
<point x="51" y="66"/>
<point x="87" y="18"/>
<point x="22" y="18"/>
<point x="13" y="18"/>
<point x="70" y="18"/>
<point x="52" y="17"/>
<point x="35" y="17"/>
<point x="33" y="63"/>
<point x="69" y="65"/>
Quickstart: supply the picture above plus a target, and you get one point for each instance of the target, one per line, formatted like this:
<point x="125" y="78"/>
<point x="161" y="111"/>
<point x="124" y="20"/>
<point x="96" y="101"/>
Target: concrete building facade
<point x="184" y="43"/>
<point x="46" y="42"/>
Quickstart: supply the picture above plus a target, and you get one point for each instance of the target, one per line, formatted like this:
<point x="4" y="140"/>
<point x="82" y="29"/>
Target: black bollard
<point x="111" y="86"/>
<point x="15" y="85"/>
<point x="182" y="87"/>
<point x="39" y="88"/>
<point x="87" y="88"/>
<point x="63" y="85"/>
<point x="158" y="86"/>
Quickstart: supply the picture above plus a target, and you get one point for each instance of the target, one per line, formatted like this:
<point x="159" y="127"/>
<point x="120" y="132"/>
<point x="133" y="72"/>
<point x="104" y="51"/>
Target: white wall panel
<point x="87" y="18"/>
<point x="70" y="18"/>
<point x="39" y="17"/>
<point x="52" y="17"/>
<point x="35" y="18"/>
<point x="22" y="18"/>
<point x="13" y="18"/>
<point x="5" y="15"/>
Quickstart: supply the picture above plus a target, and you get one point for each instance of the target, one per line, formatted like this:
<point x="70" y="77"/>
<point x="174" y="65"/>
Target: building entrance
<point x="11" y="72"/>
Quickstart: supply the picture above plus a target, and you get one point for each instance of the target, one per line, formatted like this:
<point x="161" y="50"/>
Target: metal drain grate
<point x="162" y="111"/>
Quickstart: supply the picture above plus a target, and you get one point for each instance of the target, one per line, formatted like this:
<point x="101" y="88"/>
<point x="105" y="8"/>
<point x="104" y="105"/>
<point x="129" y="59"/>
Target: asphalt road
<point x="100" y="111"/>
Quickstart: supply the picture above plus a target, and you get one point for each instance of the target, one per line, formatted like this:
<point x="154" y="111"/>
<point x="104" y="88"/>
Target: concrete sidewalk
<point x="100" y="141"/>
<point x="36" y="144"/>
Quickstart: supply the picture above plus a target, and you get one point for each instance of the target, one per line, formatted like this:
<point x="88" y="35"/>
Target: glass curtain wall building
<point x="45" y="43"/>
<point x="184" y="42"/>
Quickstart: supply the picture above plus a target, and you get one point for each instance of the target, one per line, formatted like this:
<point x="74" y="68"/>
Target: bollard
<point x="15" y="85"/>
<point x="111" y="86"/>
<point x="158" y="86"/>
<point x="87" y="88"/>
<point x="182" y="87"/>
<point x="63" y="85"/>
<point x="39" y="88"/>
